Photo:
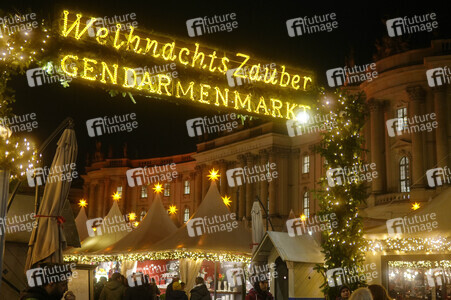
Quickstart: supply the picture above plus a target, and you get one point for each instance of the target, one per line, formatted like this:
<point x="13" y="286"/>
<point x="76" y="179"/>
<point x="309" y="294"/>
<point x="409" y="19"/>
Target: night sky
<point x="261" y="32"/>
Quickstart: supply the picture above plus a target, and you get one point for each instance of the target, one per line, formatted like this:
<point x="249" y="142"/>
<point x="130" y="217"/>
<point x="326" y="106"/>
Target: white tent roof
<point x="301" y="248"/>
<point x="155" y="226"/>
<point x="101" y="241"/>
<point x="80" y="222"/>
<point x="439" y="205"/>
<point x="236" y="241"/>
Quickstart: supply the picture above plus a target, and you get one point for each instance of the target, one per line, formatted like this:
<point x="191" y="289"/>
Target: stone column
<point x="249" y="186"/>
<point x="92" y="201"/>
<point x="222" y="172"/>
<point x="416" y="96"/>
<point x="441" y="132"/>
<point x="124" y="198"/>
<point x="264" y="159"/>
<point x="272" y="186"/>
<point x="242" y="189"/>
<point x="100" y="198"/>
<point x="377" y="144"/>
<point x="205" y="181"/>
<point x="198" y="186"/>
<point x="106" y="197"/>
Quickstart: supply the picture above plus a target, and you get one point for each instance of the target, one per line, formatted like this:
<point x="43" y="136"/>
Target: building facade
<point x="402" y="153"/>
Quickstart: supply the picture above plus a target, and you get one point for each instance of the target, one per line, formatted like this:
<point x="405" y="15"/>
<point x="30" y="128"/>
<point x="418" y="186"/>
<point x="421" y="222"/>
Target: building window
<point x="306" y="164"/>
<point x="306" y="204"/>
<point x="401" y="114"/>
<point x="142" y="215"/>
<point x="167" y="190"/>
<point x="119" y="190"/>
<point x="144" y="192"/>
<point x="186" y="215"/>
<point x="404" y="178"/>
<point x="187" y="189"/>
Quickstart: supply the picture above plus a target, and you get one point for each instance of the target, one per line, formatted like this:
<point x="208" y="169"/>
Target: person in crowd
<point x="200" y="291"/>
<point x="153" y="288"/>
<point x="98" y="287"/>
<point x="379" y="292"/>
<point x="361" y="294"/>
<point x="124" y="280"/>
<point x="55" y="287"/>
<point x="183" y="285"/>
<point x="113" y="289"/>
<point x="169" y="289"/>
<point x="344" y="293"/>
<point x="260" y="291"/>
<point x="177" y="292"/>
<point x="139" y="290"/>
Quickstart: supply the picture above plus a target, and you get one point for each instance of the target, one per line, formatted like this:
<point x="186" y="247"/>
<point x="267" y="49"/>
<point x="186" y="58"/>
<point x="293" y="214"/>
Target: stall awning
<point x="301" y="248"/>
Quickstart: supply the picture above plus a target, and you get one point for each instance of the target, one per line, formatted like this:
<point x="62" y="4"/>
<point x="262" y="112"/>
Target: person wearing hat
<point x="344" y="292"/>
<point x="260" y="291"/>
<point x="177" y="292"/>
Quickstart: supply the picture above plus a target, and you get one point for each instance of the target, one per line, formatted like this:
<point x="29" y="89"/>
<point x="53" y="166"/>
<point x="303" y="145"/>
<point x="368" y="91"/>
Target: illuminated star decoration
<point x="303" y="218"/>
<point x="415" y="206"/>
<point x="136" y="224"/>
<point x="158" y="188"/>
<point x="213" y="176"/>
<point x="82" y="203"/>
<point x="132" y="216"/>
<point x="226" y="200"/>
<point x="116" y="196"/>
<point x="172" y="209"/>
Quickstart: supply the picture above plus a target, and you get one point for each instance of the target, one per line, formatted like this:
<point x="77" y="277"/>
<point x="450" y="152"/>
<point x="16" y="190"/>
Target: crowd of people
<point x="372" y="292"/>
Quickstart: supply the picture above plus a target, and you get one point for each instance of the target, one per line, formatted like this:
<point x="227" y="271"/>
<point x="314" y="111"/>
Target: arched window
<point x="187" y="187"/>
<point x="306" y="201"/>
<point x="144" y="191"/>
<point x="167" y="190"/>
<point x="186" y="215"/>
<point x="142" y="214"/>
<point x="404" y="178"/>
